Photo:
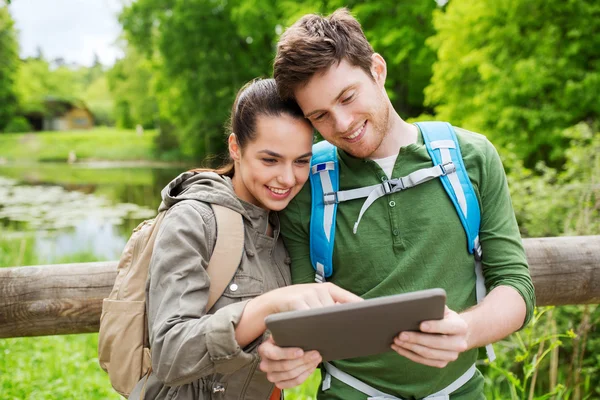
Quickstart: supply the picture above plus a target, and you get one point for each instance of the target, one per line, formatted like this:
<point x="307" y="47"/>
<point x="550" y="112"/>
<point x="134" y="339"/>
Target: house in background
<point x="60" y="115"/>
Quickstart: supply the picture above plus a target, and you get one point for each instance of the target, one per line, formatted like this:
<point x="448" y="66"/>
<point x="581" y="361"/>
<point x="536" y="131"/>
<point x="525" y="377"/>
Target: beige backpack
<point x="123" y="342"/>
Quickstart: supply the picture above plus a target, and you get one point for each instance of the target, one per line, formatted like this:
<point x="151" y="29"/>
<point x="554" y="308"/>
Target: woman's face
<point x="273" y="167"/>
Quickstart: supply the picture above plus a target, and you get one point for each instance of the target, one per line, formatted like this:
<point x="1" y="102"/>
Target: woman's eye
<point x="269" y="160"/>
<point x="303" y="162"/>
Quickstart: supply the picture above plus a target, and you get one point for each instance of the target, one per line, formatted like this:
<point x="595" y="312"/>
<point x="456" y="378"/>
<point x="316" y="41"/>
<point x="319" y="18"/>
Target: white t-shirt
<point x="387" y="164"/>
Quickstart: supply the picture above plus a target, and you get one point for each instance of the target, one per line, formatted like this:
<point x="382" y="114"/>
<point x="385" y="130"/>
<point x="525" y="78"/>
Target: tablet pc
<point x="356" y="329"/>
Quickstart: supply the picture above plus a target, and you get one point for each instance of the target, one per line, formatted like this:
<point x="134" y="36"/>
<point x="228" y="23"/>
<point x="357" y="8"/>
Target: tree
<point x="519" y="71"/>
<point x="398" y="30"/>
<point x="36" y="81"/>
<point x="9" y="62"/>
<point x="202" y="51"/>
<point x="130" y="83"/>
<point x="99" y="100"/>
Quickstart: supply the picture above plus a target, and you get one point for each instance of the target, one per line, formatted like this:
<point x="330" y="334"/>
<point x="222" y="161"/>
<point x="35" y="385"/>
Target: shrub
<point x="18" y="125"/>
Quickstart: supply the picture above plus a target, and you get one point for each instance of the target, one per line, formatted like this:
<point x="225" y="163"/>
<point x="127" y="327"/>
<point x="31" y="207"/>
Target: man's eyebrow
<point x="334" y="100"/>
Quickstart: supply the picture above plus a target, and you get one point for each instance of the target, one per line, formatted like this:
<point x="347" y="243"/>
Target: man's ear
<point x="378" y="69"/>
<point x="234" y="147"/>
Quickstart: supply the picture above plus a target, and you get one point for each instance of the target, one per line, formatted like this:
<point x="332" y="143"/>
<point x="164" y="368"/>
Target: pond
<point x="73" y="209"/>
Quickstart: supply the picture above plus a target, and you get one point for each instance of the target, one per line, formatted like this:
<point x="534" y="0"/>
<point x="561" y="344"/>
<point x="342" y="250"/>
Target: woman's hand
<point x="289" y="367"/>
<point x="289" y="298"/>
<point x="305" y="297"/>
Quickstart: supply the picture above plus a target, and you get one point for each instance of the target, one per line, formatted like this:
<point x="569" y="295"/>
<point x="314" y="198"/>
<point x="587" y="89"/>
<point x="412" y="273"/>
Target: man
<point x="406" y="241"/>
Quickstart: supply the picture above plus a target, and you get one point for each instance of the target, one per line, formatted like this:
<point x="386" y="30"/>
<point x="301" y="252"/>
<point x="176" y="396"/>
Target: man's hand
<point x="438" y="343"/>
<point x="287" y="367"/>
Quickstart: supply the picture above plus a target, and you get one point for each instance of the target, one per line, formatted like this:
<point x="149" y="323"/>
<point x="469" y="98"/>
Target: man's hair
<point x="315" y="43"/>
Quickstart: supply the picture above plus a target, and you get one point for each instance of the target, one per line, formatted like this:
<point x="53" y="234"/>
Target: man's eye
<point x="319" y="117"/>
<point x="348" y="99"/>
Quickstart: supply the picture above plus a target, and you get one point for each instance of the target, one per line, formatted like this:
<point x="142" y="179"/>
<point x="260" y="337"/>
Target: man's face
<point x="348" y="107"/>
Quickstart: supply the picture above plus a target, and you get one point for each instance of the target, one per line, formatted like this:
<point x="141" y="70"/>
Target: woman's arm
<point x="187" y="343"/>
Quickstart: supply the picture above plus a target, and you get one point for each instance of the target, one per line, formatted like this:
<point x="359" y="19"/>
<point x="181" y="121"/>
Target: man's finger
<point x="418" y="359"/>
<point x="268" y="350"/>
<point x="442" y="342"/>
<point x="293" y="368"/>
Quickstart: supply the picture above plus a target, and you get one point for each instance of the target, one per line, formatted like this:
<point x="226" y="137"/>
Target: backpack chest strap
<point x="374" y="192"/>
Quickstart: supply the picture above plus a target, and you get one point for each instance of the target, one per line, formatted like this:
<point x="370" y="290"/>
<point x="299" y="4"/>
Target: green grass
<point x="99" y="143"/>
<point x="65" y="174"/>
<point x="53" y="367"/>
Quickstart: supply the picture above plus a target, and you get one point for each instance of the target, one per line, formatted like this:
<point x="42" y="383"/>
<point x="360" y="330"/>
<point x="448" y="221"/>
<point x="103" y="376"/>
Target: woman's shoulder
<point x="191" y="207"/>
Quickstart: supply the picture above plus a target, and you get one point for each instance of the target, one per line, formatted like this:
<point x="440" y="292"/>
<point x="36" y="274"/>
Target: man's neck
<point x="400" y="134"/>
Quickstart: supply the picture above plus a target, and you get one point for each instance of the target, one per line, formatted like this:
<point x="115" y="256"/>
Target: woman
<point x="213" y="356"/>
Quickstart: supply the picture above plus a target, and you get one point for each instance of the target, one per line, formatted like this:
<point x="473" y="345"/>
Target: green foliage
<point x="398" y="31"/>
<point x="36" y="81"/>
<point x="196" y="71"/>
<point x="18" y="125"/>
<point x="551" y="203"/>
<point x="519" y="71"/>
<point x="9" y="60"/>
<point x="548" y="358"/>
<point x="130" y="83"/>
<point x="99" y="100"/>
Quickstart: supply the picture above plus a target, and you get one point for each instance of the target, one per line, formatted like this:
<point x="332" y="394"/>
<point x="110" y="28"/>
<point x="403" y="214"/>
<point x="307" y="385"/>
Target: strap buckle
<point x="477" y="252"/>
<point x="392" y="186"/>
<point x="330" y="198"/>
<point x="448" y="168"/>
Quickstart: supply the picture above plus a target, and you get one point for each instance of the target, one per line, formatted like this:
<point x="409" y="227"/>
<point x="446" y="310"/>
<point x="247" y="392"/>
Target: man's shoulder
<point x="471" y="139"/>
<point x="474" y="147"/>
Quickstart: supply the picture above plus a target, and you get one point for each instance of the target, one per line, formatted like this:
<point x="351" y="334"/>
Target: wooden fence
<point x="67" y="298"/>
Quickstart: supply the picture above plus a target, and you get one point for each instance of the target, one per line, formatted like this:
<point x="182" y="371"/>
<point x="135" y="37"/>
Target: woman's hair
<point x="256" y="98"/>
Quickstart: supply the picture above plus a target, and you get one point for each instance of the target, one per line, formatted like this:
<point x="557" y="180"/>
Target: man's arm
<point x="510" y="301"/>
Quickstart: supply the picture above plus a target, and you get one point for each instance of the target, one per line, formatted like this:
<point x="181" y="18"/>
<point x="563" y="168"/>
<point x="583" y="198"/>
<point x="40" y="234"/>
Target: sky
<point x="71" y="29"/>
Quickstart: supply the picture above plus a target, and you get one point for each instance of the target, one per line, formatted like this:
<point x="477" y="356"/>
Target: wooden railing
<point x="67" y="298"/>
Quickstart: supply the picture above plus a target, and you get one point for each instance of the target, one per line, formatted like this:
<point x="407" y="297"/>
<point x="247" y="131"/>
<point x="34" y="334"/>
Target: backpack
<point x="123" y="341"/>
<point x="444" y="150"/>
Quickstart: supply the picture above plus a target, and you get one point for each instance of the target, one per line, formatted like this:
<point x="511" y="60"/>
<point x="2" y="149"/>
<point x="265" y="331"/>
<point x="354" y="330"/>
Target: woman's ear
<point x="234" y="148"/>
<point x="378" y="69"/>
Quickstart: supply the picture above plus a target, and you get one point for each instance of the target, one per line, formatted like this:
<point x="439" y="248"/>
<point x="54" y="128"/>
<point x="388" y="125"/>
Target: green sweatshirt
<point x="413" y="240"/>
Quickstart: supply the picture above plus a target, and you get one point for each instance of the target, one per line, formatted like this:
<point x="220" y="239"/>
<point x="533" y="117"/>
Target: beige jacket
<point x="194" y="354"/>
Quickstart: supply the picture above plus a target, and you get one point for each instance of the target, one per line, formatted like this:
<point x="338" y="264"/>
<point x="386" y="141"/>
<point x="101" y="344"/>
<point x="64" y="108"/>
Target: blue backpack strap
<point x="443" y="148"/>
<point x="324" y="182"/>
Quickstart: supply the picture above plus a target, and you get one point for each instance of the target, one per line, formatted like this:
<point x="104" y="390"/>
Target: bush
<point x="18" y="125"/>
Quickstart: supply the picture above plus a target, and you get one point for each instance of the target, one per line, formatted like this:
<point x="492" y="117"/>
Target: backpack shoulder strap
<point x="227" y="254"/>
<point x="443" y="148"/>
<point x="324" y="181"/>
